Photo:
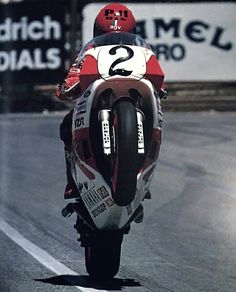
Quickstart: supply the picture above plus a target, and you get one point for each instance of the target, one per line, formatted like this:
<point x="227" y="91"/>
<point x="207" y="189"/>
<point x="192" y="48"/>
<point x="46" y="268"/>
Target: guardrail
<point x="201" y="96"/>
<point x="181" y="97"/>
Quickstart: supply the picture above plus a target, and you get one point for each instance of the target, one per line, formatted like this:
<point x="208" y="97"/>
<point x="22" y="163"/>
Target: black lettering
<point x="163" y="50"/>
<point x="174" y="52"/>
<point x="141" y="29"/>
<point x="81" y="108"/>
<point x="123" y="14"/>
<point x="177" y="52"/>
<point x="79" y="122"/>
<point x="217" y="38"/>
<point x="194" y="31"/>
<point x="173" y="25"/>
<point x="109" y="12"/>
<point x="100" y="209"/>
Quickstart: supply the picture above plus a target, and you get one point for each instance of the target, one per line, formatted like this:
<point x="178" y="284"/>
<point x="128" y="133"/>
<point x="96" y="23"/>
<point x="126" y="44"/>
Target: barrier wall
<point x="193" y="41"/>
<point x="32" y="42"/>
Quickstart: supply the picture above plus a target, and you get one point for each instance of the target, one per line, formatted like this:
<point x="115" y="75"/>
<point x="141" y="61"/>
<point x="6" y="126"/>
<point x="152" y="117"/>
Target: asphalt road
<point x="187" y="241"/>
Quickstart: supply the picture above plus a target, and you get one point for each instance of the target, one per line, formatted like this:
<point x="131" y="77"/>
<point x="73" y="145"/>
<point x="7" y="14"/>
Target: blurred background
<point x="187" y="241"/>
<point x="194" y="41"/>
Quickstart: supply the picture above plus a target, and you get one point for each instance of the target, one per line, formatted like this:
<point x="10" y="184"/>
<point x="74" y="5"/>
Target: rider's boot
<point x="71" y="190"/>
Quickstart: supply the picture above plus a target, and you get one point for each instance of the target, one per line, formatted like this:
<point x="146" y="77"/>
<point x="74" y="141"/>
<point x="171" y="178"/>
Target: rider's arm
<point x="69" y="89"/>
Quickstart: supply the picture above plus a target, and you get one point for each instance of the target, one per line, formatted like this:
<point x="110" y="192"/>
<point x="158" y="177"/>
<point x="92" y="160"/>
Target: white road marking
<point x="40" y="255"/>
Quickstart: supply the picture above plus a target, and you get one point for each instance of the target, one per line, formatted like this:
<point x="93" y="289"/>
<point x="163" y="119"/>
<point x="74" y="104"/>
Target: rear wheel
<point x="125" y="156"/>
<point x="102" y="256"/>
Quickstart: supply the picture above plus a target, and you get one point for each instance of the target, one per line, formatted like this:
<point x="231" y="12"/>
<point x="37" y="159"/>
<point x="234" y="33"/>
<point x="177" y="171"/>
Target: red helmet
<point x="114" y="17"/>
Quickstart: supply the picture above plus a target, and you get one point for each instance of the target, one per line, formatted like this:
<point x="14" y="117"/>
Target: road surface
<point x="187" y="241"/>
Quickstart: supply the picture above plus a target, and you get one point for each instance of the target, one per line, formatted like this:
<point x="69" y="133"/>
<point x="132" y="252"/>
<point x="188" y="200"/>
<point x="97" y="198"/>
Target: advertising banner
<point x="32" y="39"/>
<point x="193" y="41"/>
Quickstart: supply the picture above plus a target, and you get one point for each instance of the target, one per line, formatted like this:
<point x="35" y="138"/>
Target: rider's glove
<point x="70" y="88"/>
<point x="71" y="85"/>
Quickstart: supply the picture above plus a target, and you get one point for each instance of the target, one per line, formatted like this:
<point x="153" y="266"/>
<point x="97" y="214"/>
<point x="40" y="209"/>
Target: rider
<point x="113" y="17"/>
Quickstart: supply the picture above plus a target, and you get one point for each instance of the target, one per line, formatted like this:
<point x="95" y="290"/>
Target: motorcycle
<point x="117" y="123"/>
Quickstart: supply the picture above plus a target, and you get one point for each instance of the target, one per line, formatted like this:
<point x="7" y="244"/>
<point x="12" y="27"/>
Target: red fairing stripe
<point x="89" y="72"/>
<point x="154" y="72"/>
<point x="85" y="170"/>
<point x="80" y="136"/>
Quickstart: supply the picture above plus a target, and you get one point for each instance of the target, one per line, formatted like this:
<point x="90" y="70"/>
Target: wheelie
<point x="115" y="136"/>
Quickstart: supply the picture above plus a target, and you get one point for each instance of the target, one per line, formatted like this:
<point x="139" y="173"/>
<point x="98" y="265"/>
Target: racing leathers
<point x="69" y="90"/>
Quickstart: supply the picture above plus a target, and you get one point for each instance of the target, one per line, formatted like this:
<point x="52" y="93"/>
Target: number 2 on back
<point x="121" y="72"/>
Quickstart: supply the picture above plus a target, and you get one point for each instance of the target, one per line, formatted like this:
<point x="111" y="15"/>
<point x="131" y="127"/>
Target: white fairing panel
<point x="121" y="61"/>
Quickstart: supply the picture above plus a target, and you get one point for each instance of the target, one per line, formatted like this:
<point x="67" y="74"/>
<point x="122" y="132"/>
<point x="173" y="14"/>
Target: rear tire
<point x="126" y="152"/>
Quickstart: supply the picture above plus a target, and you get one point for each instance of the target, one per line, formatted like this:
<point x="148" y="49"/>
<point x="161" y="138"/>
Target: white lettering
<point x="25" y="60"/>
<point x="53" y="26"/>
<point x="54" y="60"/>
<point x="36" y="59"/>
<point x="5" y="30"/>
<point x="16" y="28"/>
<point x="35" y="30"/>
<point x="13" y="60"/>
<point x="115" y="27"/>
<point x="4" y="61"/>
<point x="24" y="28"/>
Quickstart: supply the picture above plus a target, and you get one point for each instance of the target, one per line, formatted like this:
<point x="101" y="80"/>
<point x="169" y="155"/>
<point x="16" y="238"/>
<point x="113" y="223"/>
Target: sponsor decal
<point x="26" y="29"/>
<point x="79" y="122"/>
<point x="91" y="199"/>
<point x="110" y="14"/>
<point x="190" y="46"/>
<point x="103" y="192"/>
<point x="195" y="31"/>
<point x="99" y="210"/>
<point x="87" y="93"/>
<point x="32" y="60"/>
<point x="81" y="108"/>
<point x="105" y="128"/>
<point x="114" y="25"/>
<point x="110" y="202"/>
<point x="32" y="42"/>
